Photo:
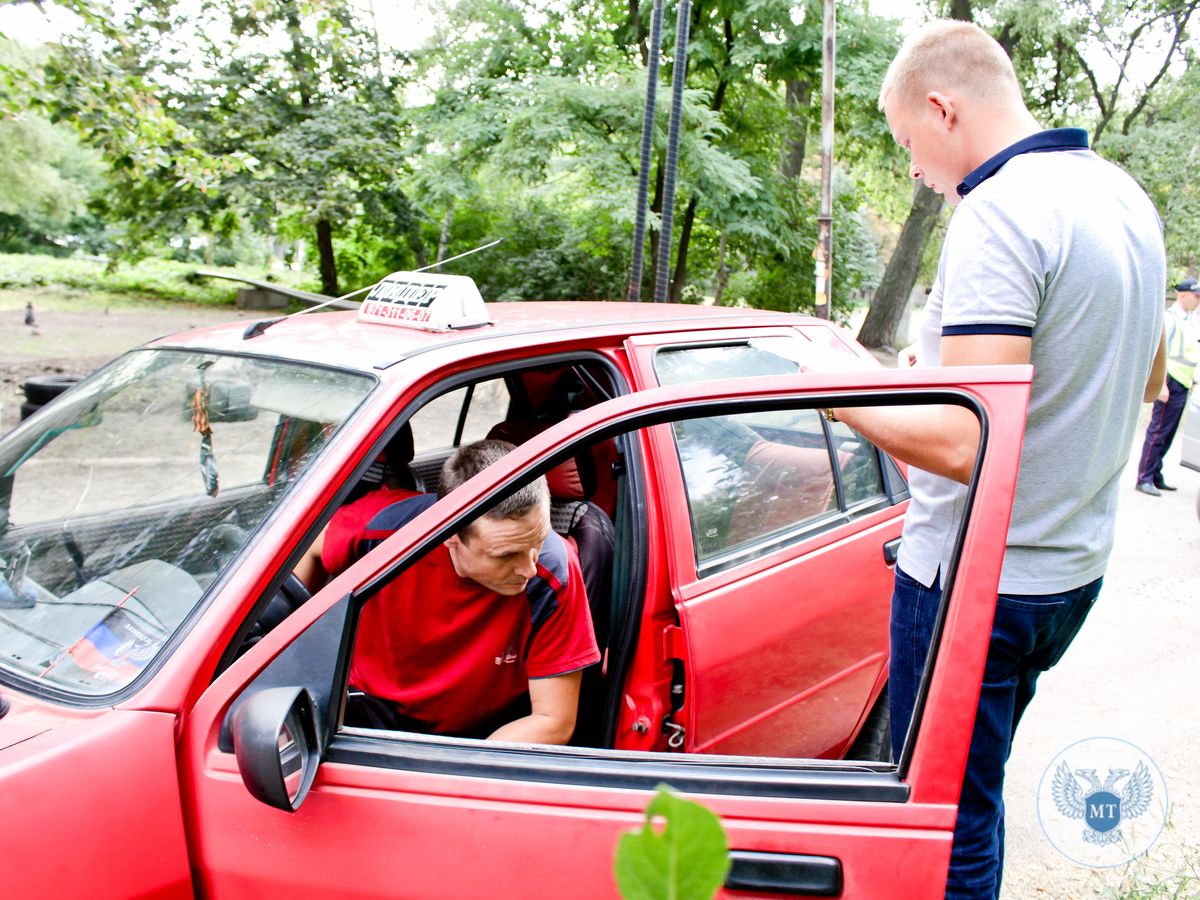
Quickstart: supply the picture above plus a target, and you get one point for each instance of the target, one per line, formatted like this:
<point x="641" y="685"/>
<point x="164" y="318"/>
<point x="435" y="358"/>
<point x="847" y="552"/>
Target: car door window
<point x="751" y="476"/>
<point x="858" y="463"/>
<point x="753" y="481"/>
<point x="460" y="416"/>
<point x="455" y="418"/>
<point x="682" y="365"/>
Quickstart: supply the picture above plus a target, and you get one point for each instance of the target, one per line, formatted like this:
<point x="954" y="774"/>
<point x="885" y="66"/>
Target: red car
<point x="172" y="697"/>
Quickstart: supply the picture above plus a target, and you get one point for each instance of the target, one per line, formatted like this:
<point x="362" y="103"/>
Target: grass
<point x="1170" y="872"/>
<point x="147" y="280"/>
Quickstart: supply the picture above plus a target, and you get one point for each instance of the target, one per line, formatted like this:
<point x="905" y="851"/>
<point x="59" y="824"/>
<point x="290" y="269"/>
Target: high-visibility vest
<point x="1182" y="353"/>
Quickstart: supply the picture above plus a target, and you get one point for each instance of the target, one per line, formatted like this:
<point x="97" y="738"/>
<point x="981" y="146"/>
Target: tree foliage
<point x="521" y="119"/>
<point x="1104" y="65"/>
<point x="48" y="175"/>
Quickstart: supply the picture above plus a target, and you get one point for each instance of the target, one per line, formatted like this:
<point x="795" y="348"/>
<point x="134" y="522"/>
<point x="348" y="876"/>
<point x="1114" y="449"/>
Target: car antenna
<point x="262" y="325"/>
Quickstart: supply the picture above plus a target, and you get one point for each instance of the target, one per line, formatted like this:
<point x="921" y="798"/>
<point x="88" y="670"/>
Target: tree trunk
<point x="722" y="271"/>
<point x="639" y="34"/>
<point x="679" y="276"/>
<point x="444" y="240"/>
<point x="891" y="298"/>
<point x="418" y="249"/>
<point x="656" y="233"/>
<point x="799" y="96"/>
<point x="675" y="294"/>
<point x="326" y="263"/>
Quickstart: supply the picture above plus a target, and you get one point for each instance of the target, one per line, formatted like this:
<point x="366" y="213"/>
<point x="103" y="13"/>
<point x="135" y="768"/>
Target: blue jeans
<point x="1029" y="635"/>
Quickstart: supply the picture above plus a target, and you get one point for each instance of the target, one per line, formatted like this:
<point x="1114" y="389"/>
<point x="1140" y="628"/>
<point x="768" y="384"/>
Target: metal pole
<point x="824" y="250"/>
<point x="663" y="267"/>
<point x="639" y="225"/>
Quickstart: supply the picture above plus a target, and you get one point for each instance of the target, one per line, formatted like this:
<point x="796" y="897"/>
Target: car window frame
<point x="398" y="417"/>
<point x="758" y="549"/>
<point x="605" y="768"/>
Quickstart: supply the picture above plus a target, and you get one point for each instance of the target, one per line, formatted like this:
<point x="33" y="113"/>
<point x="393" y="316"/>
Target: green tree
<point x="273" y="113"/>
<point x="48" y="176"/>
<point x="1163" y="151"/>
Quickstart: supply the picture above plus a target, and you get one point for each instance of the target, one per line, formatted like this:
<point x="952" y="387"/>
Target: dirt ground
<point x="75" y="335"/>
<point x="1131" y="674"/>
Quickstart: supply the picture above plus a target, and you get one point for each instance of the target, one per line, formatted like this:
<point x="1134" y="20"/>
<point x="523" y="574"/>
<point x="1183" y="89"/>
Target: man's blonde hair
<point x="947" y="54"/>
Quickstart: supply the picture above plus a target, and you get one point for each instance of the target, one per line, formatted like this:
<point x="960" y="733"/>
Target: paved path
<point x="1131" y="674"/>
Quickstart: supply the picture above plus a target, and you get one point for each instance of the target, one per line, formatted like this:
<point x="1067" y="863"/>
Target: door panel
<point x="400" y="815"/>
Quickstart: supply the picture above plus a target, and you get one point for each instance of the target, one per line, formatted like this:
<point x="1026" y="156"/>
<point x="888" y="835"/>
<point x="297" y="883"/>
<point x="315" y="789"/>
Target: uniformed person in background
<point x="1183" y="333"/>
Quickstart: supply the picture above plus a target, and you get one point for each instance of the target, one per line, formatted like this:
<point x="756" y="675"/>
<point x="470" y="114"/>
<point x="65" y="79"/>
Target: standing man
<point x="1183" y="332"/>
<point x="1053" y="257"/>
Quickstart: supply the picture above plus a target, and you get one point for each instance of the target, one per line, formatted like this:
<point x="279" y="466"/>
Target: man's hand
<point x="554" y="702"/>
<point x="943" y="440"/>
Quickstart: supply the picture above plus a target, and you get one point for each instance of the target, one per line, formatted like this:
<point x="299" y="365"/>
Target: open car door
<point x="283" y="801"/>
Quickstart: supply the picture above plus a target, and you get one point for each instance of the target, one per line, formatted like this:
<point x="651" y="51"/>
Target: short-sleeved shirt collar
<point x="1042" y="142"/>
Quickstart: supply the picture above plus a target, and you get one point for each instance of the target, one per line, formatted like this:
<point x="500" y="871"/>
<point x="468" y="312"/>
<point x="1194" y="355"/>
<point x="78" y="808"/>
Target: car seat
<point x="393" y="465"/>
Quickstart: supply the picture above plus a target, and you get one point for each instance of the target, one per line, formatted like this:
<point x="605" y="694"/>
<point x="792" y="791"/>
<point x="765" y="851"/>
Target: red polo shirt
<point x="452" y="654"/>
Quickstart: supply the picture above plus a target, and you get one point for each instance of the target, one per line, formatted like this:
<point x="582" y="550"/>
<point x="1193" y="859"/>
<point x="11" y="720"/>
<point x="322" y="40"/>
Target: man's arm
<point x="309" y="569"/>
<point x="1156" y="384"/>
<point x="554" y="702"/>
<point x="943" y="440"/>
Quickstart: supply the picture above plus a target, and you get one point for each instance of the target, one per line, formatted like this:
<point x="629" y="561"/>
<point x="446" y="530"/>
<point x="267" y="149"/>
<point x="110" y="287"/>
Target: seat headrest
<point x="399" y="450"/>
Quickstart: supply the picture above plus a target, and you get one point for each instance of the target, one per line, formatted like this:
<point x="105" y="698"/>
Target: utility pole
<point x="824" y="249"/>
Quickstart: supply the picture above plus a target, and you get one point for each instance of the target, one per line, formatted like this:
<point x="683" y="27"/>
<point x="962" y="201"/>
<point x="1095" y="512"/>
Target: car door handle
<point x="891" y="552"/>
<point x="784" y="873"/>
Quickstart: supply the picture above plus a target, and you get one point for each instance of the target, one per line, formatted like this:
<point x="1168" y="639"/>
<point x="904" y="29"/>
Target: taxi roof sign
<point x="425" y="301"/>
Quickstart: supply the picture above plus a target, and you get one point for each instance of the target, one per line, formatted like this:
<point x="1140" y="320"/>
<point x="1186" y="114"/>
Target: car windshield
<point x="125" y="499"/>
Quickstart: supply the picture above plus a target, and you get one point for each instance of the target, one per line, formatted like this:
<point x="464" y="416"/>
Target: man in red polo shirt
<point x="485" y="636"/>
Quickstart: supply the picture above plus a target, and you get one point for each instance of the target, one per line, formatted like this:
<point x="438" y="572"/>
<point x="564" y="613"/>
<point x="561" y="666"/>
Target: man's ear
<point x="941" y="106"/>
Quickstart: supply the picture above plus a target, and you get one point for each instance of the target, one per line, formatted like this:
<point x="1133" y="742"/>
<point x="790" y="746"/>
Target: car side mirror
<point x="275" y="741"/>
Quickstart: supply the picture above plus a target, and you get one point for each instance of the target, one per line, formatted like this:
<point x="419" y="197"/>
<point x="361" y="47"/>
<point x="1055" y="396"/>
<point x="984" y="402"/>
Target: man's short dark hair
<point x="470" y="460"/>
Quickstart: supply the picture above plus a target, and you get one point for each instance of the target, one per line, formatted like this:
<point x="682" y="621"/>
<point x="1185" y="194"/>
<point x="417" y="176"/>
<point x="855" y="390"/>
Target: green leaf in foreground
<point x="687" y="860"/>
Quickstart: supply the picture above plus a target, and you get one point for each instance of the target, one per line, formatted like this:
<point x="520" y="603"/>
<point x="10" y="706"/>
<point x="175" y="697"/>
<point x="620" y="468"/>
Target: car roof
<point x="339" y="339"/>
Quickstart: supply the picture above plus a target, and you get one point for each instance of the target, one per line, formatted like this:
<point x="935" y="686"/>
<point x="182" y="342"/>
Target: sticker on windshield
<point x="116" y="647"/>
